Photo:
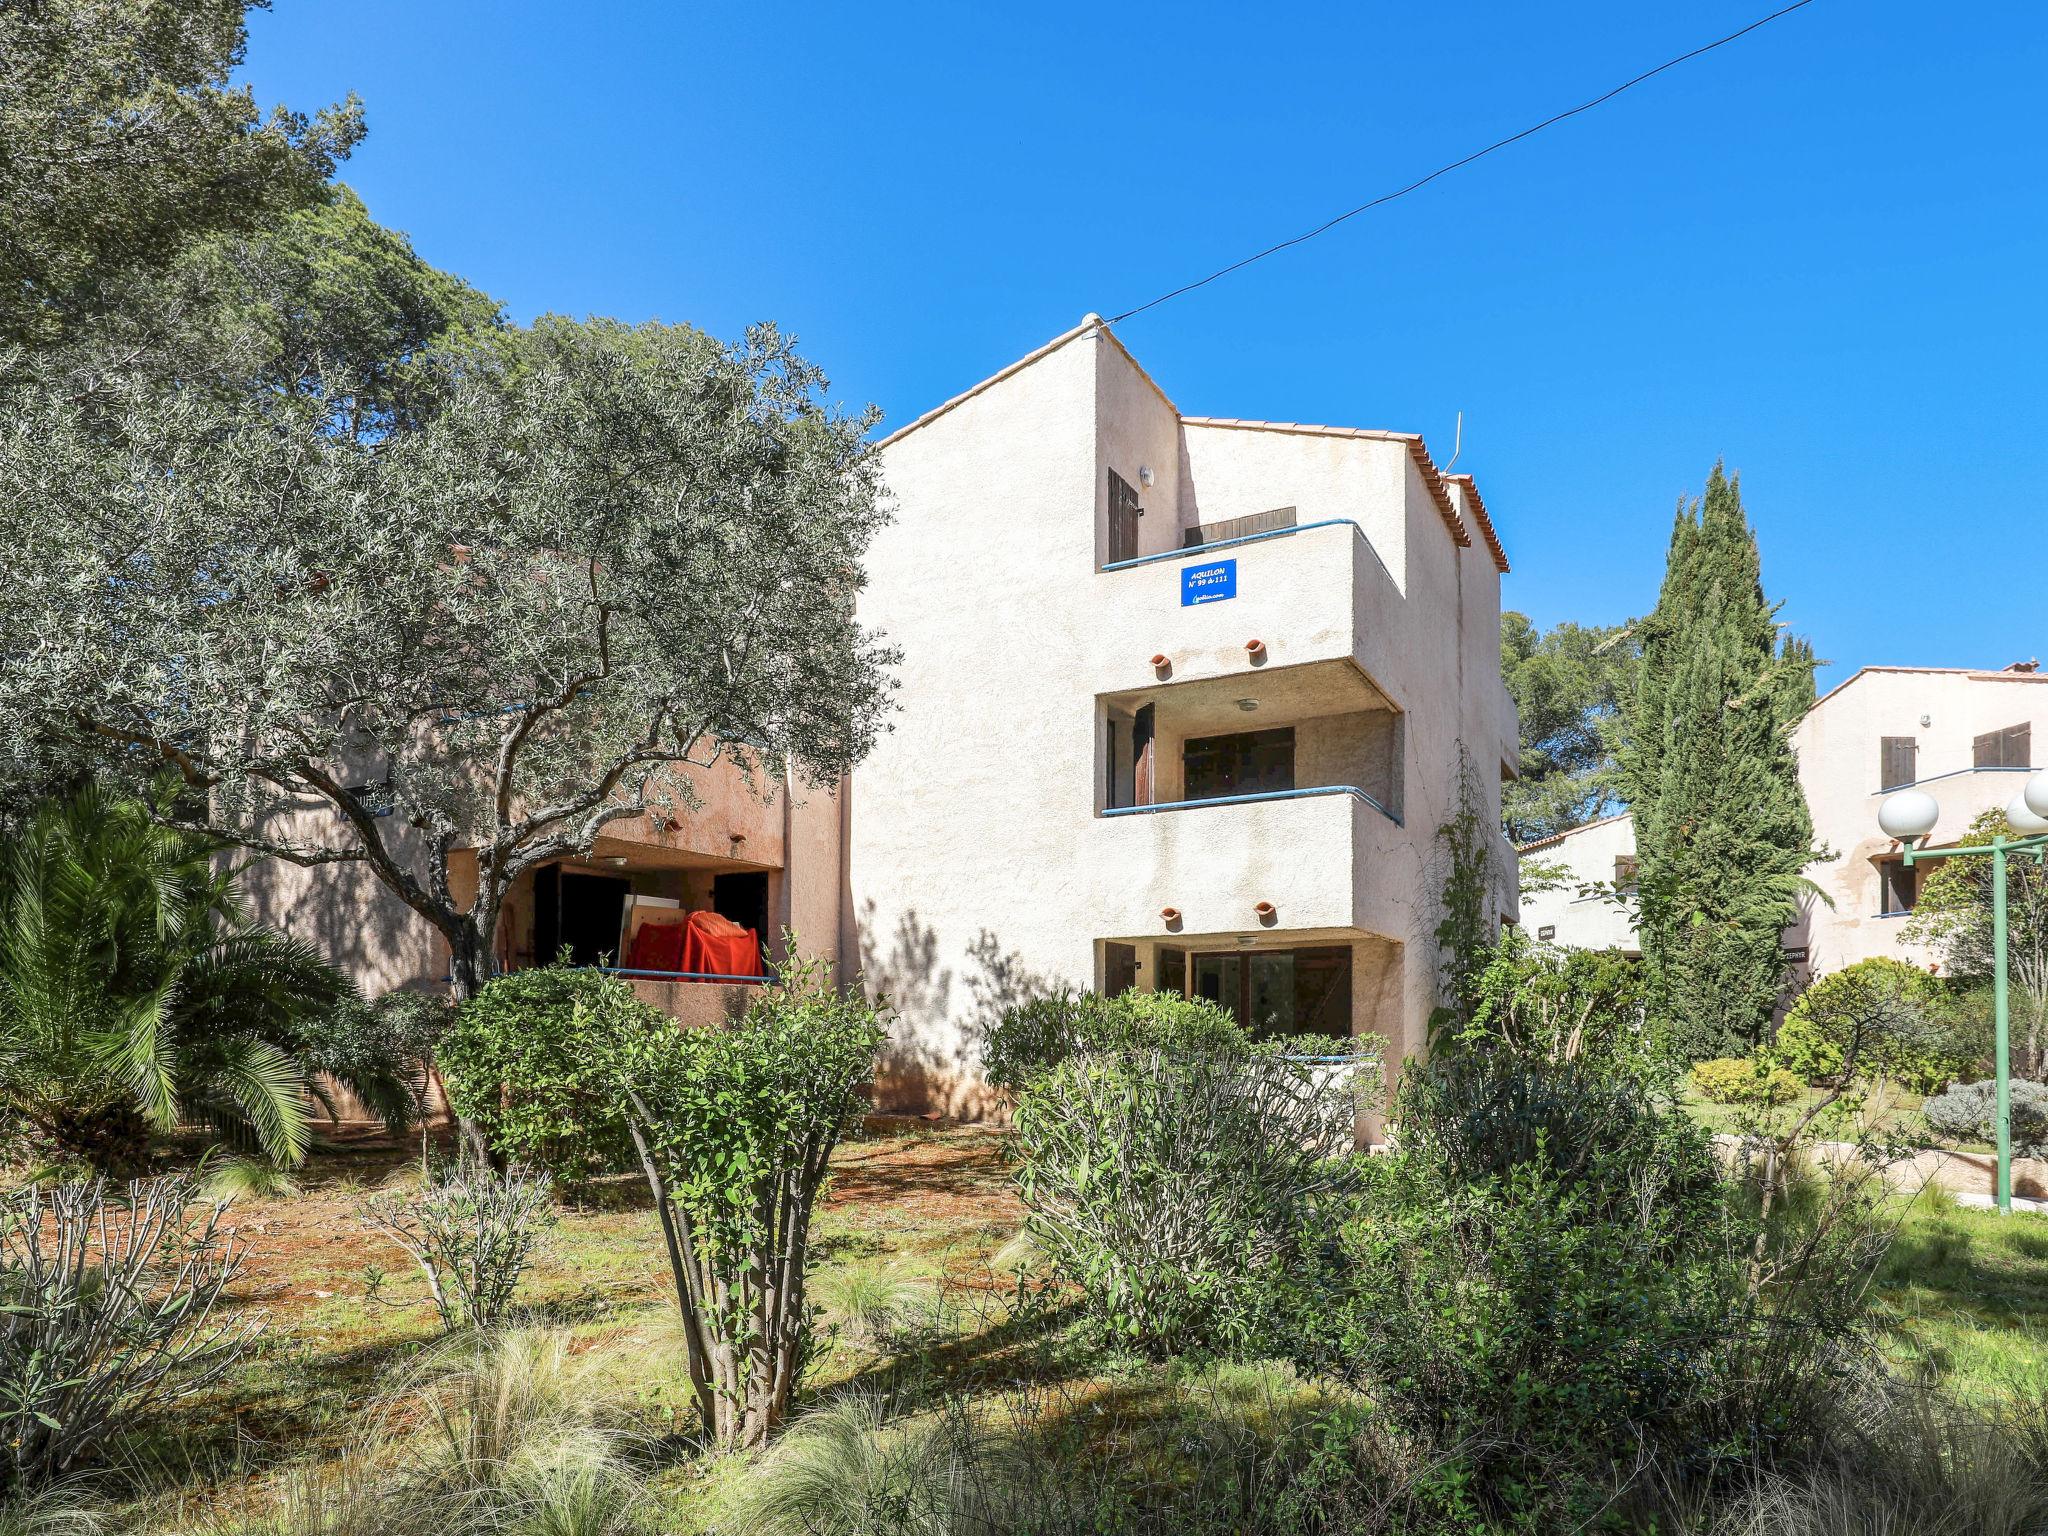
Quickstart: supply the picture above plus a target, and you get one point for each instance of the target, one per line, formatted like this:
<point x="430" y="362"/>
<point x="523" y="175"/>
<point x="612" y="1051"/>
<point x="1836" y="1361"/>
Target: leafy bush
<point x="1746" y="1080"/>
<point x="1966" y="1111"/>
<point x="471" y="1231"/>
<point x="1537" y="1329"/>
<point x="734" y="1128"/>
<point x="1878" y="1018"/>
<point x="107" y="1301"/>
<point x="1550" y="1282"/>
<point x="1173" y="1185"/>
<point x="518" y="1064"/>
<point x="1534" y="999"/>
<point x="384" y="1051"/>
<point x="1038" y="1034"/>
<point x="1478" y="1116"/>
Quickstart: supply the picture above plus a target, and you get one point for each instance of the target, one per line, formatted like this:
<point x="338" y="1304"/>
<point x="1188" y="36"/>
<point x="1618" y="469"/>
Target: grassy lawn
<point x="1969" y="1292"/>
<point x="1898" y="1115"/>
<point x="908" y="1246"/>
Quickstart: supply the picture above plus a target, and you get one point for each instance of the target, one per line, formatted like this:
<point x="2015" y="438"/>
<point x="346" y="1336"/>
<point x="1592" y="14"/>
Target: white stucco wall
<point x="1578" y="917"/>
<point x="976" y="847"/>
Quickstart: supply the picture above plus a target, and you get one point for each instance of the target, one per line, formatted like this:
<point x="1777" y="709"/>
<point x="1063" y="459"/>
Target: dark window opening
<point x="2012" y="747"/>
<point x="1625" y="872"/>
<point x="1280" y="991"/>
<point x="1898" y="887"/>
<point x="1252" y="763"/>
<point x="1173" y="970"/>
<point x="1119" y="968"/>
<point x="742" y="897"/>
<point x="1898" y="761"/>
<point x="1124" y="513"/>
<point x="578" y="913"/>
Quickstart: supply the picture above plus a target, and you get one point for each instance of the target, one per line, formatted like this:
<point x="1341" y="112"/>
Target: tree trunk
<point x="467" y="968"/>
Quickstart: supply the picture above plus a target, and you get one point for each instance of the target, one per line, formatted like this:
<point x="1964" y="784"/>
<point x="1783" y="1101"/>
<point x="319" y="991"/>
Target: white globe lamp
<point x="2021" y="817"/>
<point x="1908" y="814"/>
<point x="2036" y="793"/>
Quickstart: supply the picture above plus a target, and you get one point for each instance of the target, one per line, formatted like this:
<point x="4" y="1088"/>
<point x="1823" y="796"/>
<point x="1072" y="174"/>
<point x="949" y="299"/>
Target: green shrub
<point x="1478" y="1116"/>
<point x="110" y="1311"/>
<point x="1878" y="1018"/>
<point x="734" y="1128"/>
<point x="1965" y="1112"/>
<point x="519" y="1063"/>
<point x="471" y="1230"/>
<point x="1538" y="1000"/>
<point x="1174" y="1185"/>
<point x="1746" y="1080"/>
<point x="384" y="1050"/>
<point x="1537" y="1332"/>
<point x="1037" y="1035"/>
<point x="1550" y="1283"/>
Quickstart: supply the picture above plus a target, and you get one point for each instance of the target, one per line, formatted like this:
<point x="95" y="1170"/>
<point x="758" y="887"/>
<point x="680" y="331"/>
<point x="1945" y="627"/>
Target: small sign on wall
<point x="1211" y="583"/>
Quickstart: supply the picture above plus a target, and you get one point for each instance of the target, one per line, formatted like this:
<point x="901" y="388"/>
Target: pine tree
<point x="1721" y="824"/>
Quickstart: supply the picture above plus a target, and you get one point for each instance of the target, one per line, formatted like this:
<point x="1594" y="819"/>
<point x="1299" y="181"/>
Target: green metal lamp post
<point x="1909" y="815"/>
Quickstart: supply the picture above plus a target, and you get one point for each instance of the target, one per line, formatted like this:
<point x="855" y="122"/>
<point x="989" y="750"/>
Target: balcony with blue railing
<point x="1192" y="612"/>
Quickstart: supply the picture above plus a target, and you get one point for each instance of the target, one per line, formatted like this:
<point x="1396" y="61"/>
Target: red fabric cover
<point x="718" y="946"/>
<point x="658" y="947"/>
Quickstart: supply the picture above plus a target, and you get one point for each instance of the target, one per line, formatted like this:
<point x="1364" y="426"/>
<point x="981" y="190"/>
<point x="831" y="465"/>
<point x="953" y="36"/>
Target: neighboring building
<point x="1184" y="703"/>
<point x="1968" y="737"/>
<point x="1183" y="707"/>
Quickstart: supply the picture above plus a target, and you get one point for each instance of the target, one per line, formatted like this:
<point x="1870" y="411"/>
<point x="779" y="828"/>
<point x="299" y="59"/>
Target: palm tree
<point x="134" y="998"/>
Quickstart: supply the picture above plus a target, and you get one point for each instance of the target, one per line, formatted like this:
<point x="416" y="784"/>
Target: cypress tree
<point x="1721" y="824"/>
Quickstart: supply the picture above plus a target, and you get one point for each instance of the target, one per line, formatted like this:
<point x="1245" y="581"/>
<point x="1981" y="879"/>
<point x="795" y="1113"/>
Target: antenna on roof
<point x="1457" y="445"/>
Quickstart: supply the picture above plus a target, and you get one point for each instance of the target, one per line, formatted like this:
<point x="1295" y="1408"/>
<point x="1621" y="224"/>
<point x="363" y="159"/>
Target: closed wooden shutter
<point x="2012" y="747"/>
<point x="1124" y="513"/>
<point x="1898" y="762"/>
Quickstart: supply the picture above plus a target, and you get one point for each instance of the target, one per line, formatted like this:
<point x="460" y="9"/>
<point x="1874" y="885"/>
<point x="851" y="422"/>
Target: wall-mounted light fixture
<point x="1145" y="476"/>
<point x="1248" y="705"/>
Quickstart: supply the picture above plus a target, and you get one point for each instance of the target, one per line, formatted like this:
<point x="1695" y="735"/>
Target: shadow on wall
<point x="349" y="917"/>
<point x="932" y="1063"/>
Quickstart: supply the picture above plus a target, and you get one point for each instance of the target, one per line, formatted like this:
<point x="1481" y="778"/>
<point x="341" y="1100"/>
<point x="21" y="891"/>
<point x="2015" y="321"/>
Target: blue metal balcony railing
<point x="1263" y="795"/>
<point x="732" y="981"/>
<point x="1203" y="551"/>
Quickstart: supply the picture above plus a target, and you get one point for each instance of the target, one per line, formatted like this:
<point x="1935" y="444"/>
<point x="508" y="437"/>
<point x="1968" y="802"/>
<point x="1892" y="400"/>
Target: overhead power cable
<point x="1478" y="154"/>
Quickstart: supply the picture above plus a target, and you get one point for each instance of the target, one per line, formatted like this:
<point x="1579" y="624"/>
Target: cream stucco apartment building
<point x="1967" y="737"/>
<point x="1183" y="704"/>
<point x="1185" y="701"/>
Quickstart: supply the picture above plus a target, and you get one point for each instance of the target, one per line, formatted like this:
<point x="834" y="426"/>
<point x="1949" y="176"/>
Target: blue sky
<point x="1820" y="252"/>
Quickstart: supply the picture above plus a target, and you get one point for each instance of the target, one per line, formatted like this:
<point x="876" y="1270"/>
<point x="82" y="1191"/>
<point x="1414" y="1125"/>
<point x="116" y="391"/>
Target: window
<point x="1625" y="872"/>
<point x="1898" y="887"/>
<point x="1119" y="968"/>
<point x="1173" y="970"/>
<point x="1280" y="991"/>
<point x="2012" y="747"/>
<point x="1124" y="513"/>
<point x="1250" y="763"/>
<point x="1897" y="761"/>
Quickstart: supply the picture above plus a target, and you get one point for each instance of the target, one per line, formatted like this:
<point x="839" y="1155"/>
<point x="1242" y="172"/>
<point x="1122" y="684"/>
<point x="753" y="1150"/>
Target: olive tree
<point x="613" y="554"/>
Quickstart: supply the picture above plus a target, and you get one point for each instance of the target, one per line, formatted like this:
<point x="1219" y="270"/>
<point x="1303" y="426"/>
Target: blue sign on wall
<point x="1208" y="583"/>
